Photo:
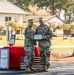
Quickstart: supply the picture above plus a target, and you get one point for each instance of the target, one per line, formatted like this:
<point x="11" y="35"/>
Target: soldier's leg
<point x="32" y="55"/>
<point x="42" y="55"/>
<point x="32" y="59"/>
<point x="27" y="61"/>
<point x="47" y="56"/>
<point x="28" y="58"/>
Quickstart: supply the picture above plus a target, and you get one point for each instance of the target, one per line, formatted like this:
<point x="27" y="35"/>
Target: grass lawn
<point x="57" y="52"/>
<point x="56" y="41"/>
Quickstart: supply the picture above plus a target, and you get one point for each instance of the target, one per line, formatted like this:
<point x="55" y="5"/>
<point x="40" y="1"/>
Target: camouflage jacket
<point x="29" y="37"/>
<point x="45" y="31"/>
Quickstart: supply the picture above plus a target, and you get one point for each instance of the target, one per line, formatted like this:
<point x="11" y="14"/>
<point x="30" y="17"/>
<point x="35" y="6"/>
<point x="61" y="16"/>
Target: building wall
<point x="2" y="20"/>
<point x="17" y="18"/>
<point x="56" y="20"/>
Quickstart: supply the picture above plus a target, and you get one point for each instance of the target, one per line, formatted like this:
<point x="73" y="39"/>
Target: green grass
<point x="56" y="41"/>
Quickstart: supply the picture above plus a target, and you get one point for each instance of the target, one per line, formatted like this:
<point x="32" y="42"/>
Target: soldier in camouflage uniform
<point x="29" y="45"/>
<point x="45" y="43"/>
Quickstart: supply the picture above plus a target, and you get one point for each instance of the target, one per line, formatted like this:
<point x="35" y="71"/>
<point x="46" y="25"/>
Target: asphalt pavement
<point x="56" y="68"/>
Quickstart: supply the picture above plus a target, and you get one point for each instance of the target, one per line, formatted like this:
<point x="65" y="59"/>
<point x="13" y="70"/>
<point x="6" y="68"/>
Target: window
<point x="7" y="18"/>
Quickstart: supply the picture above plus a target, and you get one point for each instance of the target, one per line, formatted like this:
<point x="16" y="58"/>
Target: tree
<point x="22" y="3"/>
<point x="1" y="29"/>
<point x="69" y="9"/>
<point x="51" y="5"/>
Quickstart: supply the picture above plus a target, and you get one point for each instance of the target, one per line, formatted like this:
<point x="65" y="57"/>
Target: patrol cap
<point x="30" y="20"/>
<point x="40" y="18"/>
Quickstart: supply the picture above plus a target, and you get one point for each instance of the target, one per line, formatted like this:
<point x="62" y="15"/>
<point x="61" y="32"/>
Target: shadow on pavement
<point x="17" y="72"/>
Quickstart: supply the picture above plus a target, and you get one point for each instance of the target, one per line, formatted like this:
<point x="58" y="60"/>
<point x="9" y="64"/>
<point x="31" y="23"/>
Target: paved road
<point x="56" y="68"/>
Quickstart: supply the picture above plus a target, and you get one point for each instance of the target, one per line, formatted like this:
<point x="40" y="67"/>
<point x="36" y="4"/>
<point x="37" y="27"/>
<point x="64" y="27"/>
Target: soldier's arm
<point x="49" y="34"/>
<point x="36" y="31"/>
<point x="29" y="35"/>
<point x="25" y="32"/>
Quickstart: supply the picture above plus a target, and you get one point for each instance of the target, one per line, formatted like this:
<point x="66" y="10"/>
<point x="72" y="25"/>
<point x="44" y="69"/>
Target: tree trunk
<point x="65" y="16"/>
<point x="53" y="8"/>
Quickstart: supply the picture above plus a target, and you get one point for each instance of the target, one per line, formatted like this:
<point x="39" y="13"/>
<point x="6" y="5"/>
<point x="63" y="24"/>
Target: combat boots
<point x="31" y="68"/>
<point x="27" y="70"/>
<point x="46" y="68"/>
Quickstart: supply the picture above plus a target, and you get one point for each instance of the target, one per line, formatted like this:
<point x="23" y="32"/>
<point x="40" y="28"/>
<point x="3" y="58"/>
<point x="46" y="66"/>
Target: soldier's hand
<point x="35" y="43"/>
<point x="43" y="37"/>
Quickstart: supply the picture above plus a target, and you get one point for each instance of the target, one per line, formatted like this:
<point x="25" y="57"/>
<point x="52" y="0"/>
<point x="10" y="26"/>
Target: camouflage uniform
<point x="45" y="43"/>
<point x="29" y="46"/>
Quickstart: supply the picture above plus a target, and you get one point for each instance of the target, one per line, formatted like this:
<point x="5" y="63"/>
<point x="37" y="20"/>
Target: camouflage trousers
<point x="45" y="55"/>
<point x="29" y="51"/>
